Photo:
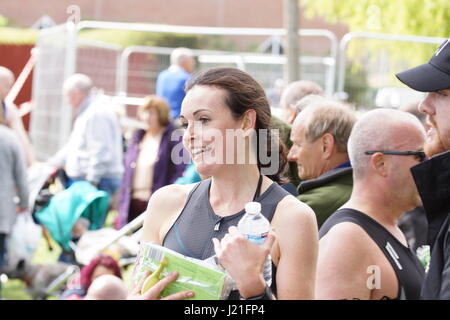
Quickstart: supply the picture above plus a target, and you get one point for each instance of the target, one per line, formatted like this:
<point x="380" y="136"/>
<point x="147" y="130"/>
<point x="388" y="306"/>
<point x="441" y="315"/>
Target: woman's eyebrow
<point x="200" y="110"/>
<point x="195" y="112"/>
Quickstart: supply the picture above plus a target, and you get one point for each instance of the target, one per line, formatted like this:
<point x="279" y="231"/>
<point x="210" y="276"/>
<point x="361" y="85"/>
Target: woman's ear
<point x="249" y="120"/>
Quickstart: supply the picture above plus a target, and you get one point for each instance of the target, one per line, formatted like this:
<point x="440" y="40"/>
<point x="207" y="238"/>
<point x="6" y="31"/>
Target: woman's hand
<point x="244" y="261"/>
<point x="154" y="292"/>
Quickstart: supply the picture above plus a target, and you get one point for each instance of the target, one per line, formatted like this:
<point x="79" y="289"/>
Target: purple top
<point x="165" y="171"/>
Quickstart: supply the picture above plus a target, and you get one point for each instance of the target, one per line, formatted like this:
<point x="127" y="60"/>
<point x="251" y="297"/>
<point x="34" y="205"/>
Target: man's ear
<point x="328" y="144"/>
<point x="378" y="162"/>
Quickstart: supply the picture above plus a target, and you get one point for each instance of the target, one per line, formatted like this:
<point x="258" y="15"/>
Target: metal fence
<point x="376" y="85"/>
<point x="129" y="74"/>
<point x="50" y="122"/>
<point x="266" y="68"/>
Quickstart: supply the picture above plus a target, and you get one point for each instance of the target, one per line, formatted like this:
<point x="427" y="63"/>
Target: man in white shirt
<point x="94" y="150"/>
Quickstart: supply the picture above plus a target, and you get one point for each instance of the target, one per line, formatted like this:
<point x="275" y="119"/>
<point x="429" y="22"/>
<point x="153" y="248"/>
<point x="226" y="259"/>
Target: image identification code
<point x="231" y="310"/>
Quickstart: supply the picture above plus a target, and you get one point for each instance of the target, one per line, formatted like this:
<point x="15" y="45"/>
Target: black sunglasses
<point x="421" y="156"/>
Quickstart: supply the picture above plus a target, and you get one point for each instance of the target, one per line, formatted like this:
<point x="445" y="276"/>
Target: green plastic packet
<point x="207" y="281"/>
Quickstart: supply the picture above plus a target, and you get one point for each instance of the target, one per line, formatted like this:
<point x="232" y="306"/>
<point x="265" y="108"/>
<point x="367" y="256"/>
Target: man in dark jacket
<point x="433" y="176"/>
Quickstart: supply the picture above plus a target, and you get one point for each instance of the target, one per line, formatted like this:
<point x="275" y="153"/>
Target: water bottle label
<point x="259" y="239"/>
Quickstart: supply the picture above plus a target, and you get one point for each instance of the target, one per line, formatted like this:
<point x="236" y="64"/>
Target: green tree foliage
<point x="403" y="17"/>
<point x="17" y="36"/>
<point x="126" y="38"/>
<point x="3" y="21"/>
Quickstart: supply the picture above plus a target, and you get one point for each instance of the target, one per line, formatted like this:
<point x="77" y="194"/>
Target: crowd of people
<point x="335" y="187"/>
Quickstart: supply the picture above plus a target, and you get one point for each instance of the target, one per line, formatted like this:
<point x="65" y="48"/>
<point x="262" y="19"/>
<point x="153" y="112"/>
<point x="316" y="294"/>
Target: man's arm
<point x="342" y="264"/>
<point x="59" y="159"/>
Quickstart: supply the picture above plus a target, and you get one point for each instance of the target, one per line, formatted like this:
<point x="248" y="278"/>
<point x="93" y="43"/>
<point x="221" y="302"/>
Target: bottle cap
<point x="253" y="207"/>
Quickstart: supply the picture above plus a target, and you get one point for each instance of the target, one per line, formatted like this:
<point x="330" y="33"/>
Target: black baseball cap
<point x="431" y="76"/>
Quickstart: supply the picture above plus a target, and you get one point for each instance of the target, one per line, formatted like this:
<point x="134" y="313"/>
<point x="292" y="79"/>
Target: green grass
<point x="15" y="289"/>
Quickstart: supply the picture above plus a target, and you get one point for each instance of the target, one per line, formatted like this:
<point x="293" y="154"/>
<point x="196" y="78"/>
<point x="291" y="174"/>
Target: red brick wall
<point x="218" y="13"/>
<point x="14" y="57"/>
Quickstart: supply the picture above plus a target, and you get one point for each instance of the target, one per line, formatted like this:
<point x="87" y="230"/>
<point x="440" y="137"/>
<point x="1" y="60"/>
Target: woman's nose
<point x="191" y="131"/>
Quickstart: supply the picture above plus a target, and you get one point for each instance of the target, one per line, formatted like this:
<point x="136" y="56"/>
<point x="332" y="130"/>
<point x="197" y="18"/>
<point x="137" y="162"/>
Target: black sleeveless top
<point x="406" y="265"/>
<point x="196" y="226"/>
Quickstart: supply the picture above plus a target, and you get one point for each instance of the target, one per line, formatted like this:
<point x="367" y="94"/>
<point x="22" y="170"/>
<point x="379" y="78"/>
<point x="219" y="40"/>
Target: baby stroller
<point x="54" y="210"/>
<point x="58" y="208"/>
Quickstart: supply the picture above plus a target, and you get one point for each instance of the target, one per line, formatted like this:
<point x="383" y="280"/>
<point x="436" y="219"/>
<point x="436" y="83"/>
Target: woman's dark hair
<point x="244" y="93"/>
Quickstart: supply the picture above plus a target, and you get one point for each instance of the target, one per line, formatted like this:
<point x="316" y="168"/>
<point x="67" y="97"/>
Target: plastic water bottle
<point x="255" y="227"/>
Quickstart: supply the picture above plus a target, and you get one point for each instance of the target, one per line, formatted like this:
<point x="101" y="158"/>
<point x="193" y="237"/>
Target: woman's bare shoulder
<point x="292" y="210"/>
<point x="162" y="210"/>
<point x="170" y="196"/>
<point x="291" y="203"/>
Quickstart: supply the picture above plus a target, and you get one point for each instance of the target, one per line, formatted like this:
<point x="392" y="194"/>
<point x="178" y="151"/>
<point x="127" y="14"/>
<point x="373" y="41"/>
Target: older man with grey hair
<point x="363" y="254"/>
<point x="170" y="82"/>
<point x="94" y="150"/>
<point x="319" y="135"/>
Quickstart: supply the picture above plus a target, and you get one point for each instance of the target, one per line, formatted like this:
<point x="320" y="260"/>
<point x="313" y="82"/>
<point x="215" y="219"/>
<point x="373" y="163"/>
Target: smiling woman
<point x="225" y="102"/>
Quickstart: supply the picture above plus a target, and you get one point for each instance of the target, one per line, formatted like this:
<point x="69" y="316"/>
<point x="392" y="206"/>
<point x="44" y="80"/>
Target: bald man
<point x="290" y="96"/>
<point x="293" y="93"/>
<point x="362" y="252"/>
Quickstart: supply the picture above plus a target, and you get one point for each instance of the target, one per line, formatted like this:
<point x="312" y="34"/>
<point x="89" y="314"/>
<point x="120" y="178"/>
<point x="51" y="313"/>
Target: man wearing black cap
<point x="432" y="177"/>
